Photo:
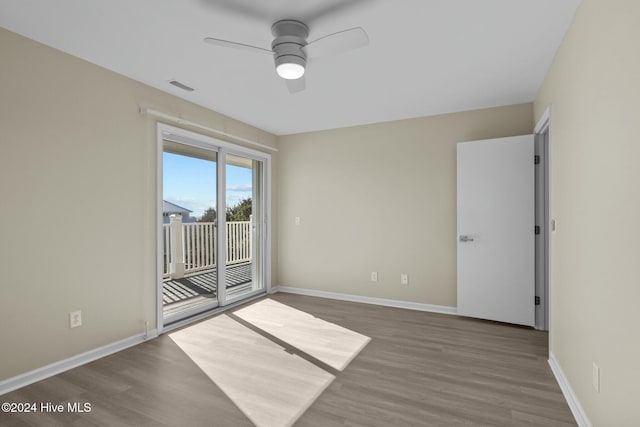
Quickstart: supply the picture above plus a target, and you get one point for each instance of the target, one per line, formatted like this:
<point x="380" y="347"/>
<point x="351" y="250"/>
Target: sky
<point x="191" y="183"/>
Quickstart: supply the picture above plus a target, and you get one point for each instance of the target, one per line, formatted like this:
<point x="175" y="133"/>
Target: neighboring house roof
<point x="169" y="208"/>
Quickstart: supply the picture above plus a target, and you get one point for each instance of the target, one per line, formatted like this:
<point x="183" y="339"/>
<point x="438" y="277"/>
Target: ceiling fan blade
<point x="336" y="43"/>
<point x="234" y="45"/>
<point x="297" y="85"/>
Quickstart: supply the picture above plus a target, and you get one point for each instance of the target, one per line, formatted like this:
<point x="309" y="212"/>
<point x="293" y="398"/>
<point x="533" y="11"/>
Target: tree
<point x="208" y="216"/>
<point x="240" y="212"/>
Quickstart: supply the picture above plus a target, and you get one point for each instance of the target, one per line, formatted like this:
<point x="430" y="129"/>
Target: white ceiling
<point x="425" y="57"/>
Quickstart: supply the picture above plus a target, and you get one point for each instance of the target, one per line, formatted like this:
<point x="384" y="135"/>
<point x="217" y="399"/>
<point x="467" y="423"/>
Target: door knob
<point x="465" y="238"/>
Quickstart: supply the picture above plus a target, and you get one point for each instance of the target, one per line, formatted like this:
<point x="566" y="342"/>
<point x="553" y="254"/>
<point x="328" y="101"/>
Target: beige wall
<point x="371" y="198"/>
<point x="594" y="89"/>
<point x="77" y="197"/>
<point x="382" y="198"/>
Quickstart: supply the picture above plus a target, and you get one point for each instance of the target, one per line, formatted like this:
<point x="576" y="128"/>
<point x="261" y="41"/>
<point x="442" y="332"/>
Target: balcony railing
<point x="191" y="247"/>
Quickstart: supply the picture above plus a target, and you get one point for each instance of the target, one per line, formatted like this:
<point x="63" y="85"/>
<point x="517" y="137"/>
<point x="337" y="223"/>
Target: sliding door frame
<point x="179" y="135"/>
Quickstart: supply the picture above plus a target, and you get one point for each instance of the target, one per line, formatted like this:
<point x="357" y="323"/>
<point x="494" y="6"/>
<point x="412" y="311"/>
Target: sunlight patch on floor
<point x="327" y="342"/>
<point x="270" y="386"/>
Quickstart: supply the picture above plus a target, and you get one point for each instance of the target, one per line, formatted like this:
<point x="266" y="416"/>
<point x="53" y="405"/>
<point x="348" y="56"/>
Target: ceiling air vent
<point x="181" y="85"/>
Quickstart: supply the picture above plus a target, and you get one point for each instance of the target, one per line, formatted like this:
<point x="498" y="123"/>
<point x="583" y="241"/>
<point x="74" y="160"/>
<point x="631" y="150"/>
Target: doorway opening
<point x="212" y="204"/>
<point x="190" y="261"/>
<point x="244" y="273"/>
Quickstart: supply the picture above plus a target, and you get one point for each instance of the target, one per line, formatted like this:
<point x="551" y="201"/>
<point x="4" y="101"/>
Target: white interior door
<point x="496" y="229"/>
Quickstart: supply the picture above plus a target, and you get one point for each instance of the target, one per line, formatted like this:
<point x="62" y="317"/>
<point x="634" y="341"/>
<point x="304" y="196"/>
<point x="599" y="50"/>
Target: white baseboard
<point x="44" y="372"/>
<point x="567" y="391"/>
<point x="366" y="300"/>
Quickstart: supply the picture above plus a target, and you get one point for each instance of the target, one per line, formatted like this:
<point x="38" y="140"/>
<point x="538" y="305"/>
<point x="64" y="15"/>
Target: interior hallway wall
<point x="593" y="88"/>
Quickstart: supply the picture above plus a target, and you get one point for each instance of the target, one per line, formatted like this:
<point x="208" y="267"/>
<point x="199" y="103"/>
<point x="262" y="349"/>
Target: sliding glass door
<point x="189" y="200"/>
<point x="212" y="237"/>
<point x="243" y="242"/>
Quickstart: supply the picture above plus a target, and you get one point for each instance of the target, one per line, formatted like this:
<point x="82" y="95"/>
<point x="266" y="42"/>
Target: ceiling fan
<point x="291" y="50"/>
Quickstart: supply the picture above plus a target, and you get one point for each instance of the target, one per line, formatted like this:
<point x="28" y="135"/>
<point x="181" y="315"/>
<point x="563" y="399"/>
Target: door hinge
<point x="536" y="229"/>
<point x="537" y="300"/>
<point x="536" y="159"/>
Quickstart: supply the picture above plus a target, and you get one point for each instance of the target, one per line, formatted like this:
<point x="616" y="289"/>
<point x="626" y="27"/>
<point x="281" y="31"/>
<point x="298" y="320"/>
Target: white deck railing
<point x="197" y="249"/>
<point x="199" y="246"/>
<point x="238" y="242"/>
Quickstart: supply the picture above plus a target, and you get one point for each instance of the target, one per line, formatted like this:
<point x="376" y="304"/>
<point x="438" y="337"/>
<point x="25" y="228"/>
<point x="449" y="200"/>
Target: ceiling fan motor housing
<point x="289" y="42"/>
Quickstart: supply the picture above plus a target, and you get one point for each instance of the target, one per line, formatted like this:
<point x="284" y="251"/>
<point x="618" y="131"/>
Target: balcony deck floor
<point x="201" y="287"/>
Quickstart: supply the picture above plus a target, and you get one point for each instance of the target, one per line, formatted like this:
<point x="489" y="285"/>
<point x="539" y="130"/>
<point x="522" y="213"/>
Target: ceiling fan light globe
<point x="290" y="70"/>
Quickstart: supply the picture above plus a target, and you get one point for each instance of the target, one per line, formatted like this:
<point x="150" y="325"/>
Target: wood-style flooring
<point x="419" y="369"/>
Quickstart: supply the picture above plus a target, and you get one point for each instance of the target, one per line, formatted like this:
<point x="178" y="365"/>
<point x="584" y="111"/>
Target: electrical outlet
<point x="297" y="220"/>
<point x="404" y="279"/>
<point x="75" y="319"/>
<point x="596" y="377"/>
<point x="374" y="276"/>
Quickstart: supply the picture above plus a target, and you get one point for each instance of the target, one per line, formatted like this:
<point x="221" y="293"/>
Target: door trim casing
<point x="544" y="126"/>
